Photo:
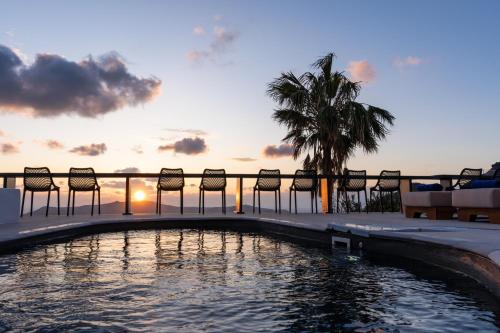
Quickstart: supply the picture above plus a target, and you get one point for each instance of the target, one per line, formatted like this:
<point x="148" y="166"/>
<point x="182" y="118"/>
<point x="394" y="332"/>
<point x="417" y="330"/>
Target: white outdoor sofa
<point x="9" y="205"/>
<point x="478" y="201"/>
<point x="437" y="205"/>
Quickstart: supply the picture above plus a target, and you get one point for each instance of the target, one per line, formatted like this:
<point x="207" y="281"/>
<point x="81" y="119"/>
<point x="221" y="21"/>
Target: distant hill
<point x="144" y="207"/>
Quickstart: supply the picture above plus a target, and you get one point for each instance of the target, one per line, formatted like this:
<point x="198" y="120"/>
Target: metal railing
<point x="238" y="176"/>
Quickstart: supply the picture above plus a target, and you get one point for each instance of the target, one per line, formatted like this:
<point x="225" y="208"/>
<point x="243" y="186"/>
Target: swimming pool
<point x="216" y="281"/>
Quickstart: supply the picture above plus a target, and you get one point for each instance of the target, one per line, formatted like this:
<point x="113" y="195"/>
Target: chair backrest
<point x="389" y="183"/>
<point x="465" y="176"/>
<point x="305" y="184"/>
<point x="171" y="179"/>
<point x="214" y="183"/>
<point x="82" y="179"/>
<point x="354" y="180"/>
<point x="269" y="184"/>
<point x="38" y="179"/>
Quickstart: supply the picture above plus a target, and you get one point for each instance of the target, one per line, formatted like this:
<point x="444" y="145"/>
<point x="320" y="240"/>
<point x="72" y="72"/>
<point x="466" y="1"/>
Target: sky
<point x="189" y="81"/>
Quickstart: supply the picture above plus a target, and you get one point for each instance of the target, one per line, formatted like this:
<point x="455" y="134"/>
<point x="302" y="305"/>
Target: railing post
<point x="4" y="182"/>
<point x="239" y="197"/>
<point x="127" y="197"/>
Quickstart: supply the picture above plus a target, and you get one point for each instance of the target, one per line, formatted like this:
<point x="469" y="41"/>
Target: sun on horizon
<point x="139" y="196"/>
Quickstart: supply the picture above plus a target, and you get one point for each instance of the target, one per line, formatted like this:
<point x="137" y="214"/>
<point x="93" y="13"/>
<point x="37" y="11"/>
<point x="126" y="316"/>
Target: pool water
<point x="215" y="281"/>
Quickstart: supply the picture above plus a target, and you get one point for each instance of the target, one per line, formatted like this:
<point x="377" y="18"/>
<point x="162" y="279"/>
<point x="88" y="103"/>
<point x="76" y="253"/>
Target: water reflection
<point x="191" y="280"/>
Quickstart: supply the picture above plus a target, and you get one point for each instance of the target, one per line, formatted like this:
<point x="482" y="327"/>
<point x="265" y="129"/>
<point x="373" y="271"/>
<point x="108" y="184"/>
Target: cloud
<point x="188" y="146"/>
<point x="218" y="18"/>
<point x="53" y="144"/>
<point x="2" y="133"/>
<point x="93" y="149"/>
<point x="244" y="159"/>
<point x="198" y="30"/>
<point x="273" y="151"/>
<point x="410" y="61"/>
<point x="128" y="170"/>
<point x="135" y="184"/>
<point x="9" y="148"/>
<point x="195" y="132"/>
<point x="361" y="71"/>
<point x="138" y="149"/>
<point x="197" y="56"/>
<point x="221" y="42"/>
<point x="52" y="86"/>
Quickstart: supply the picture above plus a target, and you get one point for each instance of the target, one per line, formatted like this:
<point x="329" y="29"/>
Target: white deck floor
<point x="481" y="238"/>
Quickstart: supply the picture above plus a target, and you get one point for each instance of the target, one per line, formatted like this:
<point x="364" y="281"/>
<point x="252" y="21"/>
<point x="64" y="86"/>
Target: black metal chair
<point x="170" y="180"/>
<point x="39" y="180"/>
<point x="83" y="180"/>
<point x="352" y="181"/>
<point x="212" y="180"/>
<point x="465" y="178"/>
<point x="386" y="184"/>
<point x="271" y="184"/>
<point x="307" y="184"/>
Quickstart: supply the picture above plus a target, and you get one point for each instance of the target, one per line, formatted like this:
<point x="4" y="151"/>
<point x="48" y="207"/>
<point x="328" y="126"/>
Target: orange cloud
<point x="361" y="71"/>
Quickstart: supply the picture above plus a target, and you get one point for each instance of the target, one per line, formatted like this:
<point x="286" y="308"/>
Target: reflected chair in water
<point x="307" y="184"/>
<point x="352" y="181"/>
<point x="83" y="180"/>
<point x="39" y="180"/>
<point x="271" y="182"/>
<point x="212" y="180"/>
<point x="466" y="175"/>
<point x="388" y="182"/>
<point x="170" y="180"/>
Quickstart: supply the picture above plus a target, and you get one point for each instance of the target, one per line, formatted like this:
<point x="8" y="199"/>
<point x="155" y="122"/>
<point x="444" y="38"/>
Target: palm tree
<point x="324" y="120"/>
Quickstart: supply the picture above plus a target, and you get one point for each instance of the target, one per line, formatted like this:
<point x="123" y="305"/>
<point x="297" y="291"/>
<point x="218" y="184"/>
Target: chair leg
<point x="99" y="201"/>
<point x="225" y="208"/>
<point x="48" y="203"/>
<point x="31" y="208"/>
<point x="73" y="208"/>
<point x="290" y="201"/>
<point x="359" y="203"/>
<point x="392" y="204"/>
<point x="159" y="202"/>
<point x="380" y="196"/>
<point x="338" y="194"/>
<point x="93" y="199"/>
<point x="199" y="202"/>
<point x="182" y="201"/>
<point x="253" y="205"/>
<point x="258" y="195"/>
<point x="22" y="205"/>
<point x="203" y="202"/>
<point x="347" y="205"/>
<point x="58" y="203"/>
<point x="316" y="200"/>
<point x="295" y="199"/>
<point x="366" y="199"/>
<point x="222" y="201"/>
<point x="69" y="197"/>
<point x="279" y="201"/>
<point x="275" y="202"/>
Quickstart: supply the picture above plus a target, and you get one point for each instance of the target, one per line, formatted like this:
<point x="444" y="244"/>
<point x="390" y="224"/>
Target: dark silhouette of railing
<point x="239" y="178"/>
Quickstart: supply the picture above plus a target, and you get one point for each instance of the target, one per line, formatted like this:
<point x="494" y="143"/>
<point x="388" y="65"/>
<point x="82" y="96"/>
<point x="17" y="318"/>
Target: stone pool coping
<point x="470" y="248"/>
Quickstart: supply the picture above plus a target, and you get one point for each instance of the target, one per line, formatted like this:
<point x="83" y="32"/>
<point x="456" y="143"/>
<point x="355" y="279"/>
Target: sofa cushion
<point x="427" y="199"/>
<point x="476" y="198"/>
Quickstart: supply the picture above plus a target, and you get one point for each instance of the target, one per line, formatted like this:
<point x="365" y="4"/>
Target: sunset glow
<point x="139" y="196"/>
